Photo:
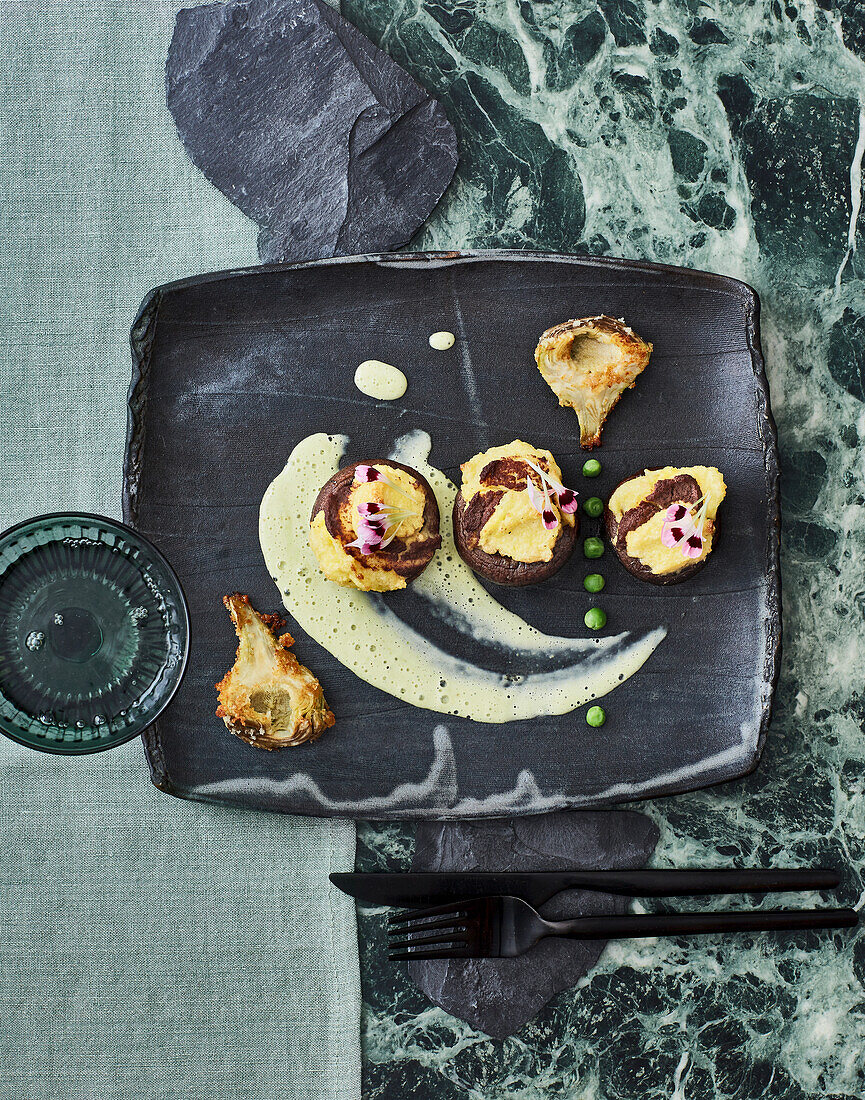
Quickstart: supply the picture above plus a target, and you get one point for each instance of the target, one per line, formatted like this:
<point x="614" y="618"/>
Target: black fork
<point x="503" y="927"/>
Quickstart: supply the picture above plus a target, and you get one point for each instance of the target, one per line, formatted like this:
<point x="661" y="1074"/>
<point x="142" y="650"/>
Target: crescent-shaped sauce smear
<point x="370" y="640"/>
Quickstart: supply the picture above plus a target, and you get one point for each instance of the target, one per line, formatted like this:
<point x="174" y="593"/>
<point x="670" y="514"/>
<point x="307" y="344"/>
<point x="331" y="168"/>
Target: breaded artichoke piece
<point x="268" y="698"/>
<point x="588" y="364"/>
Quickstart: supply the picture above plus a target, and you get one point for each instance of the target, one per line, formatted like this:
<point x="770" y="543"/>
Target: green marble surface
<point x="728" y="136"/>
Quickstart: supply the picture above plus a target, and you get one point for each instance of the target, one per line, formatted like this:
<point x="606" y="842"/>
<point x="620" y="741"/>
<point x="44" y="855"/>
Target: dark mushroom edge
<point x="682" y="487"/>
<point x="469" y="518"/>
<point x="406" y="558"/>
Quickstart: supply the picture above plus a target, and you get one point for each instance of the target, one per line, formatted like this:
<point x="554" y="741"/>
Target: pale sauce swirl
<point x="368" y="638"/>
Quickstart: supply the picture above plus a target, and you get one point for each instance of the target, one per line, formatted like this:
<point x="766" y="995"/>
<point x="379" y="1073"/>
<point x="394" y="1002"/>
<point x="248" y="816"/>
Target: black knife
<point x="432" y="888"/>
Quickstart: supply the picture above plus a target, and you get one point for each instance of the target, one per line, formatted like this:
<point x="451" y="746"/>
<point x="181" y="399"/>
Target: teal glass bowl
<point x="94" y="633"/>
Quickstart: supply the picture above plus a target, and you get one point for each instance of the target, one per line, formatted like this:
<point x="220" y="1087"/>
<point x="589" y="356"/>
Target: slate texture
<point x="498" y="996"/>
<point x="308" y="128"/>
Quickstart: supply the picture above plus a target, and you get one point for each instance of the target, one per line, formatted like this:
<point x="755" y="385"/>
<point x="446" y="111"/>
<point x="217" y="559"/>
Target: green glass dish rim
<point x="13" y="732"/>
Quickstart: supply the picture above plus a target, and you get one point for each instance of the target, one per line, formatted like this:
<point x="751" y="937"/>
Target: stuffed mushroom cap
<point x="374" y="526"/>
<point x="514" y="522"/>
<point x="663" y="523"/>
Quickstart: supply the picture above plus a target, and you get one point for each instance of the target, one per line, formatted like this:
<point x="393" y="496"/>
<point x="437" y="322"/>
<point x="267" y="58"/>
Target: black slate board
<point x="242" y="81"/>
<point x="231" y="370"/>
<point x="498" y="996"/>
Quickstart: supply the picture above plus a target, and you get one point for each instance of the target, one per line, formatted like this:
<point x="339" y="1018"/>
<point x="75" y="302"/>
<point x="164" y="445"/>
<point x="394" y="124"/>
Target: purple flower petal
<point x="369" y="533"/>
<point x="693" y="546"/>
<point x="676" y="513"/>
<point x="550" y="520"/>
<point x="364" y="473"/>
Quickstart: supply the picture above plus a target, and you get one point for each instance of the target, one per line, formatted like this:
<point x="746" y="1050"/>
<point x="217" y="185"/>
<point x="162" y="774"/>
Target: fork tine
<point x="454" y="953"/>
<point x="425" y="941"/>
<point x="408" y="927"/>
<point x="433" y="911"/>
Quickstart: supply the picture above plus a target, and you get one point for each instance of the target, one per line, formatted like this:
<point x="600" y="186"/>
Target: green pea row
<point x="595" y="618"/>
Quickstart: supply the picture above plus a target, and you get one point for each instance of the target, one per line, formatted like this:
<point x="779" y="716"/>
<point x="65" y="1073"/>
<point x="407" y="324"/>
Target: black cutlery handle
<point x="635" y="925"/>
<point x="673" y="883"/>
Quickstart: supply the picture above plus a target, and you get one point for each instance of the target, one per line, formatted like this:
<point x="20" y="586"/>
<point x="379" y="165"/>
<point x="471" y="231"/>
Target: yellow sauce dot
<point x="380" y="380"/>
<point x="441" y="341"/>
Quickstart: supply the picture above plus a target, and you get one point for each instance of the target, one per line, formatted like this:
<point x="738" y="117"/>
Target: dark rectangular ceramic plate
<point x="232" y="370"/>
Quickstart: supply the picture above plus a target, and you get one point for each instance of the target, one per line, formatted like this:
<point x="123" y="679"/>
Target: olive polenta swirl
<point x="375" y="526"/>
<point x="514" y="521"/>
<point x="663" y="523"/>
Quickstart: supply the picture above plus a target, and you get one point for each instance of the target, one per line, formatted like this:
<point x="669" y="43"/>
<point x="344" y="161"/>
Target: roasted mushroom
<point x="663" y="523"/>
<point x="588" y="364"/>
<point x="514" y="521"/>
<point x="375" y="526"/>
<point x="268" y="698"/>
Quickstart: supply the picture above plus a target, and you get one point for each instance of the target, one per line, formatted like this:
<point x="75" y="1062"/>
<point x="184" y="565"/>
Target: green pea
<point x="594" y="582"/>
<point x="593" y="507"/>
<point x="595" y="618"/>
<point x="595" y="716"/>
<point x="593" y="548"/>
<point x="591" y="467"/>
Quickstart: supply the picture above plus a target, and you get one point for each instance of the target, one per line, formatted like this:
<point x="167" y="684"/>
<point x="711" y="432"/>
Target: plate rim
<point x="141" y="338"/>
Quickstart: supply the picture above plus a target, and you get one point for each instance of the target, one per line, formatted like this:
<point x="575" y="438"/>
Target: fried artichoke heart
<point x="588" y="364"/>
<point x="268" y="698"/>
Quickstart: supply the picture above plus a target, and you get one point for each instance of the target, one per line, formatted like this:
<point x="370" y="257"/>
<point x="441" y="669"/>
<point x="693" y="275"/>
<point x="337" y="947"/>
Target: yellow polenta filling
<point x="644" y="542"/>
<point x="514" y="530"/>
<point x="340" y="566"/>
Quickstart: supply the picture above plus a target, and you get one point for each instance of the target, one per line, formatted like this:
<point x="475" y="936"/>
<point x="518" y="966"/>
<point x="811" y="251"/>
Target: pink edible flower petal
<point x="548" y="516"/>
<point x="537" y="500"/>
<point x="678" y="525"/>
<point x="364" y="473"/>
<point x="364" y="547"/>
<point x="384" y="511"/>
<point x="673" y="534"/>
<point x="681" y="528"/>
<point x="541" y="503"/>
<point x="567" y="500"/>
<point x="375" y="534"/>
<point x="370" y="533"/>
<point x="693" y="547"/>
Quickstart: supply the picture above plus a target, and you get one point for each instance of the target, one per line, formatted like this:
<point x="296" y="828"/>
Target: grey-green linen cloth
<point x="150" y="949"/>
